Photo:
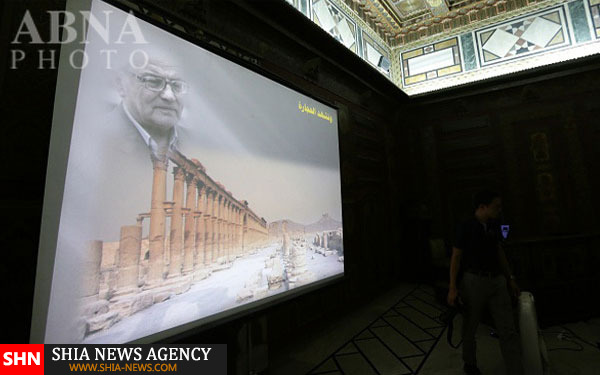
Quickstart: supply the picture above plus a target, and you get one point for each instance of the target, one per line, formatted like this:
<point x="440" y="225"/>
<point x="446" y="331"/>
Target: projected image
<point x="194" y="186"/>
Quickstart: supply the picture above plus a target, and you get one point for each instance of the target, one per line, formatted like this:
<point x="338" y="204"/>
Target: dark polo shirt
<point x="479" y="244"/>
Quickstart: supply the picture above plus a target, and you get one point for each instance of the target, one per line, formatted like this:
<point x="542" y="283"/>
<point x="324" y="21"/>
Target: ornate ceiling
<point x="405" y="21"/>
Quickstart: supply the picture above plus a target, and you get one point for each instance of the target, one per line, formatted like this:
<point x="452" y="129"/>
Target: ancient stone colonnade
<point x="208" y="224"/>
<point x="208" y="227"/>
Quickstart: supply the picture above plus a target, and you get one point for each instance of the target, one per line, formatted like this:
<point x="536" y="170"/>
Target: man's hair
<point x="484" y="197"/>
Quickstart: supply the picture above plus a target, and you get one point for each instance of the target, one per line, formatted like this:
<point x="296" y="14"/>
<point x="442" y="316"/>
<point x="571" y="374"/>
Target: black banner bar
<point x="131" y="359"/>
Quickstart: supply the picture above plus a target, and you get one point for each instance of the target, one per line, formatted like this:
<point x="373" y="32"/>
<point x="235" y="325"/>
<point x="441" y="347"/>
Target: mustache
<point x="171" y="108"/>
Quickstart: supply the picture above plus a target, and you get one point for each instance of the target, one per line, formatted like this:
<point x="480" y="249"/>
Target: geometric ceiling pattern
<point x="595" y="7"/>
<point x="402" y="22"/>
<point x="428" y="45"/>
<point x="523" y="36"/>
<point x="552" y="35"/>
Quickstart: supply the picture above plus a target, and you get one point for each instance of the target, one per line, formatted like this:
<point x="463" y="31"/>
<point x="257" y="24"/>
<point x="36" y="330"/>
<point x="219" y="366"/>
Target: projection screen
<point x="192" y="188"/>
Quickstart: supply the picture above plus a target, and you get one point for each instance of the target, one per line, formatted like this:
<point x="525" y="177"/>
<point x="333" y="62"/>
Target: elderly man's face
<point x="153" y="96"/>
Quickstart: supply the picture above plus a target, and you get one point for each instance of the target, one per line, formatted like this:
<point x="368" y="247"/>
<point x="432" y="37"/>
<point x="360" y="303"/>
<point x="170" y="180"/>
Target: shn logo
<point x="21" y="358"/>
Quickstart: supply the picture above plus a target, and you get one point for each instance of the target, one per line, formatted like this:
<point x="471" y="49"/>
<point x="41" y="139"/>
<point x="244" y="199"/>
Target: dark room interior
<point x="409" y="165"/>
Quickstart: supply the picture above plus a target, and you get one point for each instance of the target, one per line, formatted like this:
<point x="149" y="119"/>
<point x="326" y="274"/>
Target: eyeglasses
<point x="157" y="83"/>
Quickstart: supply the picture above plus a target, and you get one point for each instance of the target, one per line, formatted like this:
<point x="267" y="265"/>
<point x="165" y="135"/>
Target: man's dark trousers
<point x="477" y="291"/>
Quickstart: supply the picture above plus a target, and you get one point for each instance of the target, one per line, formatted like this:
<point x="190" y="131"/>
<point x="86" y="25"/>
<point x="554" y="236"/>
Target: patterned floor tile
<point x="398" y="342"/>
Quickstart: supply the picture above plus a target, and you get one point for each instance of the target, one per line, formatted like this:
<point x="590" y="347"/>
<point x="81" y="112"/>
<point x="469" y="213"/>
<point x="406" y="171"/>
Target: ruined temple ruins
<point x="207" y="229"/>
<point x="329" y="241"/>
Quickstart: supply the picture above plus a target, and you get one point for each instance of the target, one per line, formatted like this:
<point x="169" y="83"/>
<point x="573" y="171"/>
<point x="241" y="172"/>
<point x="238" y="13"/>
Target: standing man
<point x="487" y="281"/>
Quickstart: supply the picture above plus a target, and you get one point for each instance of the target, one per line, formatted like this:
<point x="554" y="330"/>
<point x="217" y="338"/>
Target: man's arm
<point x="454" y="267"/>
<point x="505" y="268"/>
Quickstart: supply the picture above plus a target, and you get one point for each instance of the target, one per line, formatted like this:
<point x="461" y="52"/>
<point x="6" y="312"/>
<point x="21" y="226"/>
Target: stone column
<point x="207" y="226"/>
<point x="240" y="230"/>
<point x="215" y="220"/>
<point x="251" y="233"/>
<point x="130" y="246"/>
<point x="91" y="270"/>
<point x="325" y="240"/>
<point x="286" y="239"/>
<point x="232" y="230"/>
<point x="228" y="228"/>
<point x="157" y="221"/>
<point x="219" y="246"/>
<point x="229" y="237"/>
<point x="199" y="246"/>
<point x="224" y="228"/>
<point x="176" y="236"/>
<point x="224" y="252"/>
<point x="236" y="230"/>
<point x="213" y="225"/>
<point x="189" y="235"/>
<point x="243" y="230"/>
